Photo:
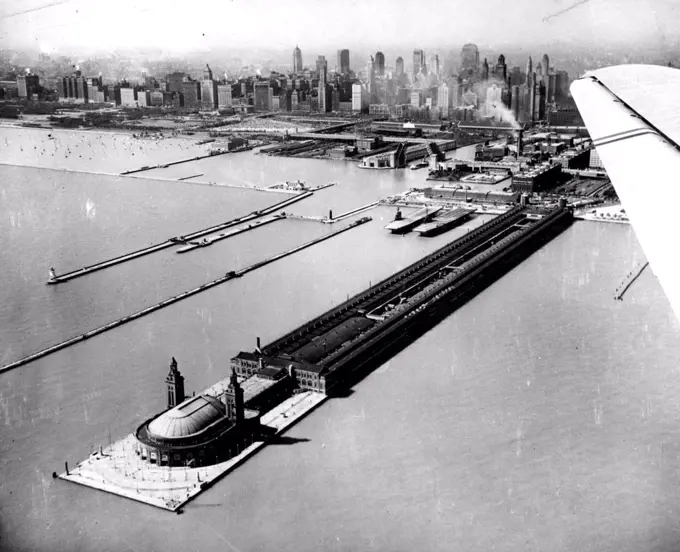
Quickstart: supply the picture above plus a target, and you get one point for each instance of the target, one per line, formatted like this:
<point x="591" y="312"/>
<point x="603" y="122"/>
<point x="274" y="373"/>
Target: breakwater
<point x="174" y="241"/>
<point x="633" y="275"/>
<point x="176" y="298"/>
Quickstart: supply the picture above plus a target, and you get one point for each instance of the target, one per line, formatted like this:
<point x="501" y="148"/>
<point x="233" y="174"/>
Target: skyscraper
<point x="297" y="60"/>
<point x="208" y="89"/>
<point x="529" y="73"/>
<point x="399" y="66"/>
<point x="469" y="58"/>
<point x="545" y="62"/>
<point x="485" y="70"/>
<point x="418" y="61"/>
<point x="263" y="95"/>
<point x="324" y="89"/>
<point x="501" y="69"/>
<point x="434" y="65"/>
<point x="370" y="77"/>
<point x="343" y="62"/>
<point x="380" y="64"/>
<point x="320" y="62"/>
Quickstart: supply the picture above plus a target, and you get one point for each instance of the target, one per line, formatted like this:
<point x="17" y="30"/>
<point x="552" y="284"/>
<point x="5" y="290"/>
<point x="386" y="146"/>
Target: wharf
<point x="366" y="330"/>
<point x="174" y="241"/>
<point x="118" y="469"/>
<point x="176" y="298"/>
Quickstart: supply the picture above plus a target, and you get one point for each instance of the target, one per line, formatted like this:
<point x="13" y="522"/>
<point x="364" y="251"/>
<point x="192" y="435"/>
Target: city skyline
<point x="77" y="25"/>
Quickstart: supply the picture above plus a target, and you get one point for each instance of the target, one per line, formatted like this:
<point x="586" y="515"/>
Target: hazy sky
<point x="325" y="25"/>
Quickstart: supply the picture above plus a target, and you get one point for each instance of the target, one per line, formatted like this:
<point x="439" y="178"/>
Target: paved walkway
<point x="119" y="470"/>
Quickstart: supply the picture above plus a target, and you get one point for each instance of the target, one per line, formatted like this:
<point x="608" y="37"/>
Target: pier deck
<point x="118" y="469"/>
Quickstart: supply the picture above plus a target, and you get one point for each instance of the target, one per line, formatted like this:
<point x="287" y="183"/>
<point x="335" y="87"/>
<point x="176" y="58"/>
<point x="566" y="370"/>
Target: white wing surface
<point x="633" y="115"/>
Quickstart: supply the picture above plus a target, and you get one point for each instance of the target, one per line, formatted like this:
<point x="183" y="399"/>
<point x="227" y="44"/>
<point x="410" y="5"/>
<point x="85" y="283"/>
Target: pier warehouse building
<point x="211" y="427"/>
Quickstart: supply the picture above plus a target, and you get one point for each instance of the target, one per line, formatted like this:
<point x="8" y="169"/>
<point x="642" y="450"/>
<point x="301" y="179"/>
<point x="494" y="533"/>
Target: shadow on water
<point x="286" y="440"/>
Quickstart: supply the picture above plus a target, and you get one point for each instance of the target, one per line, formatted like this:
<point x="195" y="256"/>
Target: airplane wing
<point x="633" y="115"/>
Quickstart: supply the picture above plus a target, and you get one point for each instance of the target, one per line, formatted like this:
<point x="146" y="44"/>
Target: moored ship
<point x="401" y="225"/>
<point x="444" y="222"/>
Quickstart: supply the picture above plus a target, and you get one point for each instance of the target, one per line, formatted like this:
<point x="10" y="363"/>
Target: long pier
<point x="363" y="332"/>
<point x="175" y="241"/>
<point x="628" y="281"/>
<point x="176" y="298"/>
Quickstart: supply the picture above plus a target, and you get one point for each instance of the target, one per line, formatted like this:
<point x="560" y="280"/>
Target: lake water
<point x="542" y="415"/>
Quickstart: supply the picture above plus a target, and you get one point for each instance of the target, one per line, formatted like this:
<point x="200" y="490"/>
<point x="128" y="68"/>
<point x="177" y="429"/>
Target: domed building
<point x="200" y="430"/>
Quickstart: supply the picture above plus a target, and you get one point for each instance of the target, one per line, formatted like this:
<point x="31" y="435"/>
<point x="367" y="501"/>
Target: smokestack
<point x="258" y="349"/>
<point x="330" y="214"/>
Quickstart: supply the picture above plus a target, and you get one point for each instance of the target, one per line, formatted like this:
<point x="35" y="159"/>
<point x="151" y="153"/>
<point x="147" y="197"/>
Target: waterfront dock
<point x="633" y="275"/>
<point x="366" y="330"/>
<point x="119" y="470"/>
<point x="176" y="298"/>
<point x="174" y="241"/>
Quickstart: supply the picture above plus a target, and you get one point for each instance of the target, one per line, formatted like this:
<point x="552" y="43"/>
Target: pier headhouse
<point x="203" y="429"/>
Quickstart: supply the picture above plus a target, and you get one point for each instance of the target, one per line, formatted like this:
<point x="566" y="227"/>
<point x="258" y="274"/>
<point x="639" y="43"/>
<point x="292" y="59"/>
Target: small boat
<point x="418" y="165"/>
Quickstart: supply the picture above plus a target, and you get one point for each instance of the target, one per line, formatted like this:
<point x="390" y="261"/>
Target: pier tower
<point x="175" y="382"/>
<point x="234" y="399"/>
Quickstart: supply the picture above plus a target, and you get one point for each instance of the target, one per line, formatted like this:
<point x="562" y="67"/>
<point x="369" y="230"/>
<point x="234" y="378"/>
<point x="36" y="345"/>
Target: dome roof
<point x="187" y="418"/>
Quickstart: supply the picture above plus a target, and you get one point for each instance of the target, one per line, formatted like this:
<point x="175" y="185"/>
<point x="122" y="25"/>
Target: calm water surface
<point x="543" y="415"/>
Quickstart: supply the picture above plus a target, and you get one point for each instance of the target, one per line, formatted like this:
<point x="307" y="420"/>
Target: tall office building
<point x="263" y="95"/>
<point x="545" y="62"/>
<point x="297" y="60"/>
<point x="529" y="73"/>
<point x="320" y="61"/>
<point x="27" y="85"/>
<point x="324" y="90"/>
<point x="174" y="81"/>
<point x="359" y="97"/>
<point x="418" y="61"/>
<point x="469" y="59"/>
<point x="343" y="62"/>
<point x="399" y="67"/>
<point x="370" y="78"/>
<point x="444" y="97"/>
<point x="380" y="64"/>
<point x="433" y="68"/>
<point x="501" y="69"/>
<point x="485" y="70"/>
<point x="224" y="95"/>
<point x="208" y="89"/>
<point x="191" y="92"/>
